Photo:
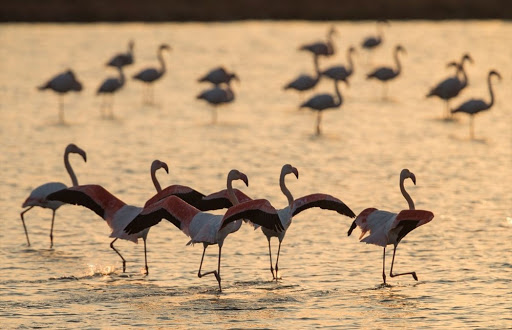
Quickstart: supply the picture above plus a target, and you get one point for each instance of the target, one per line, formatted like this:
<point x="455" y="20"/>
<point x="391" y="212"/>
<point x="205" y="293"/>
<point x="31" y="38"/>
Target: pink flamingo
<point x="110" y="208"/>
<point x="389" y="228"/>
<point x="39" y="196"/>
<point x="201" y="227"/>
<point x="260" y="211"/>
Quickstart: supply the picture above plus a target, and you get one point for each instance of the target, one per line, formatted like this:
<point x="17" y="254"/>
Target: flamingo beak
<point x="244" y="178"/>
<point x="165" y="167"/>
<point x="413" y="178"/>
<point x="296" y="172"/>
<point x="83" y="154"/>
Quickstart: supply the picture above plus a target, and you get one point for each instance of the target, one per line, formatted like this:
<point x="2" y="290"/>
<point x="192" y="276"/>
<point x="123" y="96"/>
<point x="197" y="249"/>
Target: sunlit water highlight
<point x="463" y="257"/>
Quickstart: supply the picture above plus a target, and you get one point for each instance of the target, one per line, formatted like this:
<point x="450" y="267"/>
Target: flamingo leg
<point x="119" y="254"/>
<point x="214" y="115"/>
<point x="270" y="255"/>
<point x="318" y="121"/>
<point x="277" y="259"/>
<point x="471" y="127"/>
<point x="51" y="230"/>
<point x="384" y="265"/>
<point x="391" y="271"/>
<point x="145" y="257"/>
<point x="61" y="109"/>
<point x="23" y="221"/>
<point x="214" y="272"/>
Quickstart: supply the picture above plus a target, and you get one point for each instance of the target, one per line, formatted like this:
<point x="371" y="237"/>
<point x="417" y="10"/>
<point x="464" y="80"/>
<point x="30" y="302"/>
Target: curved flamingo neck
<point x="231" y="193"/>
<point x="155" y="180"/>
<point x="162" y="62"/>
<point x="72" y="175"/>
<point x="350" y="63"/>
<point x="397" y="61"/>
<point x="490" y="90"/>
<point x="464" y="81"/>
<point x="338" y="93"/>
<point x="406" y="194"/>
<point x="317" y="67"/>
<point x="121" y="75"/>
<point x="285" y="190"/>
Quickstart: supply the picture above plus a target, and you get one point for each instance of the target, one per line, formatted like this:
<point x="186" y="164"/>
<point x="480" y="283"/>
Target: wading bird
<point x="217" y="96"/>
<point x="321" y="48"/>
<point x="452" y="86"/>
<point x="385" y="74"/>
<point x="260" y="211"/>
<point x="107" y="89"/>
<point x="305" y="82"/>
<point x="150" y="75"/>
<point x="390" y="228"/>
<point x="474" y="106"/>
<point x="372" y="42"/>
<point x="39" y="196"/>
<point x="322" y="102"/>
<point x="218" y="76"/>
<point x="341" y="72"/>
<point x="123" y="59"/>
<point x="61" y="84"/>
<point x="201" y="227"/>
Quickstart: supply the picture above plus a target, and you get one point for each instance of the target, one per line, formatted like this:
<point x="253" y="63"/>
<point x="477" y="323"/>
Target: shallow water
<point x="463" y="258"/>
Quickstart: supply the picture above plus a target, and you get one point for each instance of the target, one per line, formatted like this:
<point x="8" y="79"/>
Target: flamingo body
<point x="218" y="76"/>
<point x="303" y="82"/>
<point x="371" y="42"/>
<point x="111" y="85"/>
<point x="383" y="74"/>
<point x="217" y="95"/>
<point x="63" y="83"/>
<point x="321" y="48"/>
<point x="122" y="59"/>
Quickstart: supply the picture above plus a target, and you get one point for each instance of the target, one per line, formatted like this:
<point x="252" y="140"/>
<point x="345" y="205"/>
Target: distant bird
<point x="217" y="96"/>
<point x="38" y="196"/>
<point x="108" y="88"/>
<point x="322" y="102"/>
<point x="321" y="48"/>
<point x="386" y="73"/>
<point x="260" y="211"/>
<point x="390" y="228"/>
<point x="341" y="72"/>
<point x="305" y="82"/>
<point x="452" y="86"/>
<point x="219" y="76"/>
<point x="121" y="60"/>
<point x="150" y="75"/>
<point x="61" y="84"/>
<point x="474" y="106"/>
<point x="117" y="213"/>
<point x="372" y="42"/>
<point x="201" y="227"/>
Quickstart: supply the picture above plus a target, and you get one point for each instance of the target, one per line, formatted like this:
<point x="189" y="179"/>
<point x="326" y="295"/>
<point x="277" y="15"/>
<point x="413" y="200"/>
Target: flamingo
<point x="322" y="102"/>
<point x="109" y="87"/>
<point x="372" y="42"/>
<point x="474" y="106"/>
<point x="321" y="48"/>
<point x="39" y="196"/>
<point x="216" y="96"/>
<point x="261" y="211"/>
<point x="305" y="82"/>
<point x="123" y="59"/>
<point x="452" y="86"/>
<point x="61" y="84"/>
<point x="150" y="75"/>
<point x="340" y="72"/>
<point x="390" y="228"/>
<point x="386" y="73"/>
<point x="218" y="76"/>
<point x="201" y="227"/>
<point x="110" y="208"/>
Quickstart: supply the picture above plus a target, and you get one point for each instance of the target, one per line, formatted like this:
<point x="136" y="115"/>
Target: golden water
<point x="463" y="258"/>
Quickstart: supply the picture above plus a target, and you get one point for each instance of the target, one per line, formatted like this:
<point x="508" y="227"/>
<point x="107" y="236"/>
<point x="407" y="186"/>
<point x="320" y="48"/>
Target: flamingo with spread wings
<point x="261" y="211"/>
<point x="201" y="227"/>
<point x="390" y="228"/>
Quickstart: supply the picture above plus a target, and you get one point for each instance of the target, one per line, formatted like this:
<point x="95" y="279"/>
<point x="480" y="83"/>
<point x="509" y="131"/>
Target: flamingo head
<point x="466" y="57"/>
<point x="287" y="169"/>
<point x="494" y="73"/>
<point x="164" y="47"/>
<point x="72" y="148"/>
<point x="157" y="164"/>
<point x="352" y="49"/>
<point x="407" y="174"/>
<point x="400" y="48"/>
<point x="237" y="175"/>
<point x="131" y="44"/>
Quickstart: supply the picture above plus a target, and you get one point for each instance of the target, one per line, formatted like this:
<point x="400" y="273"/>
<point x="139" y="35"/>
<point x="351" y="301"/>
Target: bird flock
<point x="222" y="92"/>
<point x="188" y="210"/>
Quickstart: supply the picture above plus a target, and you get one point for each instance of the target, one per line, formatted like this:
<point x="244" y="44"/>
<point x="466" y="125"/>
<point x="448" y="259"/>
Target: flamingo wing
<point x="220" y="200"/>
<point x="189" y="195"/>
<point x="323" y="201"/>
<point x="472" y="106"/>
<point x="172" y="208"/>
<point x="409" y="220"/>
<point x="258" y="211"/>
<point x="94" y="197"/>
